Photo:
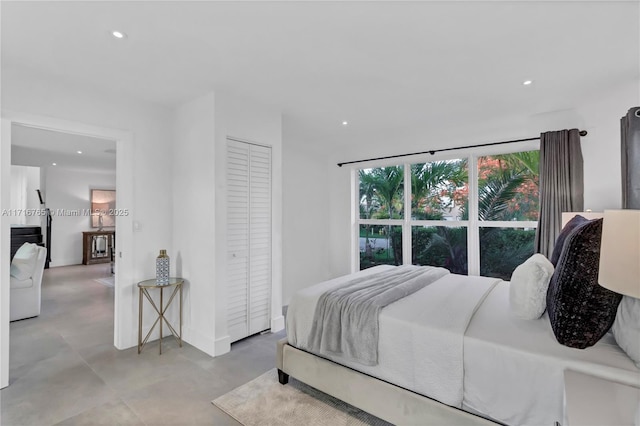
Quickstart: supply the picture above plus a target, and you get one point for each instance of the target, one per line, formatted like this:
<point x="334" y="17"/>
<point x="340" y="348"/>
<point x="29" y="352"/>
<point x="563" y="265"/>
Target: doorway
<point x="123" y="335"/>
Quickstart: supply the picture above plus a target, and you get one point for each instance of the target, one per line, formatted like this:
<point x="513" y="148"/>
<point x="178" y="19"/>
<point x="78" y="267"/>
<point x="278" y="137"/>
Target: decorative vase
<point x="162" y="268"/>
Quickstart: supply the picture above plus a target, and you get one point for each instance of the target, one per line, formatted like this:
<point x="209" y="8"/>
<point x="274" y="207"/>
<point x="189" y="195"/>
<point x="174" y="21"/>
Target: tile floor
<point x="64" y="369"/>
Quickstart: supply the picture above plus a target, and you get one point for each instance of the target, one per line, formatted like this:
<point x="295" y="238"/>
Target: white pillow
<point x="22" y="269"/>
<point x="528" y="288"/>
<point x="626" y="327"/>
<point x="27" y="251"/>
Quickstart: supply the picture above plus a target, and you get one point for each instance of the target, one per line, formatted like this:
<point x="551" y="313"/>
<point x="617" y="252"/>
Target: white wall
<point x="5" y="238"/>
<point x="24" y="182"/>
<point x="194" y="217"/>
<point x="601" y="147"/>
<point x="199" y="216"/>
<point x="150" y="146"/>
<point x="305" y="217"/>
<point x="71" y="190"/>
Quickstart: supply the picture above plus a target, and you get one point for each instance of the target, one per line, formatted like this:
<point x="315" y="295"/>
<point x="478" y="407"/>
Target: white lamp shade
<point x="620" y="252"/>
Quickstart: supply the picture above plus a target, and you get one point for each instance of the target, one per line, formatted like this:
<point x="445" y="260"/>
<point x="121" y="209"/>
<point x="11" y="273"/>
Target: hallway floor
<point x="64" y="369"/>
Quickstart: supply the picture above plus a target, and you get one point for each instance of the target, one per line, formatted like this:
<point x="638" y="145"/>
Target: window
<point x="439" y="198"/>
<point x="381" y="205"/>
<point x="507" y="211"/>
<point x="480" y="225"/>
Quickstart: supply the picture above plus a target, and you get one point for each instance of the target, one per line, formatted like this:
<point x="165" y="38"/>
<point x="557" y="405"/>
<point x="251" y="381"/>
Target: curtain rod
<point x="433" y="151"/>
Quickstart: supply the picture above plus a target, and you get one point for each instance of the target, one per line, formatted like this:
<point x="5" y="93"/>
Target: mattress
<point x="420" y="336"/>
<point x="513" y="368"/>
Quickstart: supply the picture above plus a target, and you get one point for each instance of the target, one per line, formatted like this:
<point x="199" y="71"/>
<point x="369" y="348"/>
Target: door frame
<point x="123" y="294"/>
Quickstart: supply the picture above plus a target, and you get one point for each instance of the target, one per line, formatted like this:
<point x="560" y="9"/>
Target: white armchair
<point x="27" y="268"/>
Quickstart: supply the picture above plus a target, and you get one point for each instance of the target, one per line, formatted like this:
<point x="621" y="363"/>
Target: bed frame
<point x="377" y="397"/>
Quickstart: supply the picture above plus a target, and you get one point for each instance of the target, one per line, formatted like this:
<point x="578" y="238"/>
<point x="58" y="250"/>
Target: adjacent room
<point x="412" y="213"/>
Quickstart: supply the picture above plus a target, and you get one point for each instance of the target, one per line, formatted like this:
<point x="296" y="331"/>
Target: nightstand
<point x="590" y="400"/>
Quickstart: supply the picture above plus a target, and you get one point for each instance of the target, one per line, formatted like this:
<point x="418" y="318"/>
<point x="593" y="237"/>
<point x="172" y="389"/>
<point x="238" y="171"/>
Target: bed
<point x="449" y="353"/>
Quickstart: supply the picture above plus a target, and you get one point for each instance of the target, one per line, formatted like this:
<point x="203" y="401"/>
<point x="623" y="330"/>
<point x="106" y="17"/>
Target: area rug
<point x="109" y="282"/>
<point x="264" y="401"/>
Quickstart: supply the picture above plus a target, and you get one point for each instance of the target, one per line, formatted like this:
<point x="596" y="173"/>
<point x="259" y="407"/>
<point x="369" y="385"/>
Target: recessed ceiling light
<point x="118" y="34"/>
<point x="527" y="82"/>
<point x="54" y="164"/>
<point x="345" y="123"/>
<point x="79" y="152"/>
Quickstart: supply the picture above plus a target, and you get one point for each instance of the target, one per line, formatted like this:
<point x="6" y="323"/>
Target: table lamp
<point x="99" y="210"/>
<point x="620" y="252"/>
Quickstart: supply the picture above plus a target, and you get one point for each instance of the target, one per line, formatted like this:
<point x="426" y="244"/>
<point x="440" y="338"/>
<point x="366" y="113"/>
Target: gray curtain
<point x="630" y="150"/>
<point x="561" y="184"/>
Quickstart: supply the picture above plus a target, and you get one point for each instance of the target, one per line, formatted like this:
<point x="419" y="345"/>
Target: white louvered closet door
<point x="248" y="238"/>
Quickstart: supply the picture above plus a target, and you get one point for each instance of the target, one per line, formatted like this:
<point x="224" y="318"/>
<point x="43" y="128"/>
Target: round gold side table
<point x="143" y="287"/>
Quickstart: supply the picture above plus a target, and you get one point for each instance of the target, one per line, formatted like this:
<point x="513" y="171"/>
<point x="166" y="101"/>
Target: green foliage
<point x="527" y="163"/>
<point x="381" y="192"/>
<point x="381" y="256"/>
<point x="507" y="190"/>
<point x="503" y="249"/>
<point x="496" y="191"/>
<point x="440" y="246"/>
<point x="433" y="185"/>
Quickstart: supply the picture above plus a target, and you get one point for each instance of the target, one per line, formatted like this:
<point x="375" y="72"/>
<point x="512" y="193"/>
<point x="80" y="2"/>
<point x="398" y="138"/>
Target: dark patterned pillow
<point x="564" y="233"/>
<point x="580" y="310"/>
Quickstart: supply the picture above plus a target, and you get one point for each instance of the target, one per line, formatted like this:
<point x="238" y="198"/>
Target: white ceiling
<point x="388" y="68"/>
<point x="40" y="148"/>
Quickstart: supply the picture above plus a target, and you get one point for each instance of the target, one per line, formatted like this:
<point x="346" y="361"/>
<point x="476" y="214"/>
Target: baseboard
<point x="200" y="341"/>
<point x="277" y="324"/>
<point x="64" y="262"/>
<point x="222" y="345"/>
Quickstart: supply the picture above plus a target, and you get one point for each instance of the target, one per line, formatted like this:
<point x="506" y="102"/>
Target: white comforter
<point x="514" y="368"/>
<point x="421" y="336"/>
<point x="493" y="364"/>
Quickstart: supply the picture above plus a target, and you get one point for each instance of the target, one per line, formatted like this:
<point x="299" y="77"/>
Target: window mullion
<point x="473" y="233"/>
<point x="406" y="226"/>
<point x="355" y="225"/>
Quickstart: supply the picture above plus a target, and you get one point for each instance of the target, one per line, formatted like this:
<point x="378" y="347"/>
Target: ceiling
<point x="41" y="148"/>
<point x="388" y="68"/>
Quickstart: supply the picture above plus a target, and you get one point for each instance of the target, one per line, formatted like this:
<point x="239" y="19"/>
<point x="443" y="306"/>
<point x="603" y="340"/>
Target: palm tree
<point x="382" y="187"/>
<point x="367" y="204"/>
<point x="528" y="160"/>
<point x="388" y="186"/>
<point x="496" y="191"/>
<point x="428" y="180"/>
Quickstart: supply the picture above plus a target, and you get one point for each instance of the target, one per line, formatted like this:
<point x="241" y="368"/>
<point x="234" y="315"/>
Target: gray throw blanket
<point x="345" y="322"/>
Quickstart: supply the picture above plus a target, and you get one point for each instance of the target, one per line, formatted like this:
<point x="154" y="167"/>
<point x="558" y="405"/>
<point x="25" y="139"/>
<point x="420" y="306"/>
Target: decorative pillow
<point x="564" y="233"/>
<point x="528" y="288"/>
<point x="626" y="328"/>
<point x="26" y="251"/>
<point x="22" y="269"/>
<point x="580" y="310"/>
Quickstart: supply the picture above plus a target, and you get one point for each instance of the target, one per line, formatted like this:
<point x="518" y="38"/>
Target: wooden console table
<point x="97" y="246"/>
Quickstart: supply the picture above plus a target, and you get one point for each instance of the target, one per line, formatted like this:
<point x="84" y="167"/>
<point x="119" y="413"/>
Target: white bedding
<point x="421" y="336"/>
<point x="514" y="368"/>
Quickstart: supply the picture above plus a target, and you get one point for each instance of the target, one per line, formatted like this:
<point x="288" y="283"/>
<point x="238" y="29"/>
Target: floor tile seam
<point x="92" y="406"/>
<point x="117" y="398"/>
<point x="116" y="392"/>
<point x="138" y="416"/>
<point x="108" y="386"/>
